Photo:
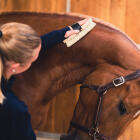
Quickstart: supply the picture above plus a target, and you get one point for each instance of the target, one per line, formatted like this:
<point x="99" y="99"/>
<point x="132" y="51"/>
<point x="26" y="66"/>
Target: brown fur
<point x="105" y="53"/>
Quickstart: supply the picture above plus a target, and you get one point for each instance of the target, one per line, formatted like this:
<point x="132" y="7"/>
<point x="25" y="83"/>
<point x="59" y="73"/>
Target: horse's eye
<point x="122" y="108"/>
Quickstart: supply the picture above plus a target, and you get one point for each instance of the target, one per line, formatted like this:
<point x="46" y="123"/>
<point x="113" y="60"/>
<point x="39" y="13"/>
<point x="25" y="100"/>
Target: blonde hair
<point x="17" y="44"/>
<point x="1" y="71"/>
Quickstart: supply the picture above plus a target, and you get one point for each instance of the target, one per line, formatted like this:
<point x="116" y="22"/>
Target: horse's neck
<point x="50" y="77"/>
<point x="104" y="43"/>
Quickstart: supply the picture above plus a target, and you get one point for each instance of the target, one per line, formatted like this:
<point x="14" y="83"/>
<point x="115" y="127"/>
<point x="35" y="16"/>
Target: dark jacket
<point x="15" y="120"/>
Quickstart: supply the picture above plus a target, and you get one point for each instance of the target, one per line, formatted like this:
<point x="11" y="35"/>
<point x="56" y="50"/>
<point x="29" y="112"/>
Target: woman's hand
<point x="71" y="32"/>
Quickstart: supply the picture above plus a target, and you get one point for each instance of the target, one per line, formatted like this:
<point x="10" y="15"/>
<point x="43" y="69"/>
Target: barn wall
<point x="122" y="13"/>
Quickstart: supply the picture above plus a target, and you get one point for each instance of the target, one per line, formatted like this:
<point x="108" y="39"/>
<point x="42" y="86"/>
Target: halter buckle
<point x="92" y="132"/>
<point x="118" y="81"/>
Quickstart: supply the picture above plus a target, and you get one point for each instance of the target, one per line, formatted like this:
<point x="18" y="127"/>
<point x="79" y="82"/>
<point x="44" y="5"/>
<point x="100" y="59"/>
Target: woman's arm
<point x="53" y="38"/>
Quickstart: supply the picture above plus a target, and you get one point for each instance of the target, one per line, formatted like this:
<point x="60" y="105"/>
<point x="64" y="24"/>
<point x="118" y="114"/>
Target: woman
<point x="20" y="46"/>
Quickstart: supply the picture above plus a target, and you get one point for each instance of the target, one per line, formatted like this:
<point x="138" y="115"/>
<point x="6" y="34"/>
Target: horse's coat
<point x="104" y="54"/>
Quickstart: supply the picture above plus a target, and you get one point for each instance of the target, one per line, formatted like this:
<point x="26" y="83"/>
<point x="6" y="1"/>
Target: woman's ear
<point x="14" y="66"/>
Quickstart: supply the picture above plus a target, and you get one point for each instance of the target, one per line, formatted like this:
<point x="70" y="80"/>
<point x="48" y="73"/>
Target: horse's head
<point x="120" y="106"/>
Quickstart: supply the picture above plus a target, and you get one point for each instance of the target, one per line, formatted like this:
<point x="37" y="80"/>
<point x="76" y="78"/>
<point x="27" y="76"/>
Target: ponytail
<point x="1" y="71"/>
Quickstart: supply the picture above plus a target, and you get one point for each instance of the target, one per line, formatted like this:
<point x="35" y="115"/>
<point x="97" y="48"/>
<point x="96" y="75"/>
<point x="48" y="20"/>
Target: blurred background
<point x="122" y="13"/>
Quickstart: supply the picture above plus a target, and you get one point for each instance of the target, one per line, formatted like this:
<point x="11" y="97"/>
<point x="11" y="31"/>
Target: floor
<point x="46" y="139"/>
<point x="47" y="136"/>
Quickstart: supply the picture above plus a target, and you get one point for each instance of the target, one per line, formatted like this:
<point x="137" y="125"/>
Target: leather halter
<point x="101" y="90"/>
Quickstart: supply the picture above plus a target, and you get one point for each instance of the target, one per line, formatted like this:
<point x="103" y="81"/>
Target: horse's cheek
<point x="89" y="98"/>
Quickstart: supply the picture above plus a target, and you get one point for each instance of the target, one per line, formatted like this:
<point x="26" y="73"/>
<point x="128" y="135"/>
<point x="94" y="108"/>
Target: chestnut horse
<point x="102" y="55"/>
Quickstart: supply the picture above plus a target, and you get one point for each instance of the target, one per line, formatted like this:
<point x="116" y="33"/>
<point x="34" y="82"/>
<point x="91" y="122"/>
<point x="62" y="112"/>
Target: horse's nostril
<point x="122" y="108"/>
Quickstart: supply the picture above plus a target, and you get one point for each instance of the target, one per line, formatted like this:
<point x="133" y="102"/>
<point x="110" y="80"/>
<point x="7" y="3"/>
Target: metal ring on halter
<point x="0" y="33"/>
<point x="93" y="131"/>
<point x="119" y="81"/>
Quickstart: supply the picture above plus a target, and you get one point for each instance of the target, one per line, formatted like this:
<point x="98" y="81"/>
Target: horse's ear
<point x="122" y="108"/>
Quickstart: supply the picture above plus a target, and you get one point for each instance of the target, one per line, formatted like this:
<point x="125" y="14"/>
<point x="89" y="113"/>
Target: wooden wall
<point x="122" y="13"/>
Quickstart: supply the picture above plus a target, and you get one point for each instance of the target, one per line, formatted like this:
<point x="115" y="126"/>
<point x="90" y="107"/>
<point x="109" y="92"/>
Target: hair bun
<point x="0" y="34"/>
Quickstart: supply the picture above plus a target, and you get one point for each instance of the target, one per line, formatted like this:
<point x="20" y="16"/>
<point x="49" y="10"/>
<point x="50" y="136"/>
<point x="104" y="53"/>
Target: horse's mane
<point x="75" y="16"/>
